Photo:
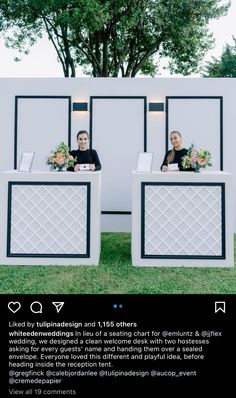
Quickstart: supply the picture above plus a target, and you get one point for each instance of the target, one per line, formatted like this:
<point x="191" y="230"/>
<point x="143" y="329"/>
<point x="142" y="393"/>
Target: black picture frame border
<point x="16" y="113"/>
<point x="94" y="97"/>
<point x="200" y="97"/>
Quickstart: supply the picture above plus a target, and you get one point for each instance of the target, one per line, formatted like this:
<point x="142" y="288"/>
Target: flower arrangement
<point x="60" y="158"/>
<point x="196" y="158"/>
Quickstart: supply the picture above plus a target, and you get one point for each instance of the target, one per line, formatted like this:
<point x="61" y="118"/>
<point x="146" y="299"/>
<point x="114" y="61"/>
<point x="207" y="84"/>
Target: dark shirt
<point x="89" y="156"/>
<point x="177" y="159"/>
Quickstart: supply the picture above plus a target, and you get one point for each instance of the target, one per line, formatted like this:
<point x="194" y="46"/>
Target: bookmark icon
<point x="58" y="305"/>
<point x="220" y="306"/>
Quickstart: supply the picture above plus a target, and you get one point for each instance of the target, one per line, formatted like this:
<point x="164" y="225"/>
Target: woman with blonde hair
<point x="176" y="153"/>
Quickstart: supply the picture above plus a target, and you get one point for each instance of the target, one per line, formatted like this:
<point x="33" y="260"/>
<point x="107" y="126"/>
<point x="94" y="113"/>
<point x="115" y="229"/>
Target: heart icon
<point x="14" y="306"/>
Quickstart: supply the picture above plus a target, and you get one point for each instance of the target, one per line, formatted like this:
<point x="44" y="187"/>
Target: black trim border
<point x="197" y="97"/>
<point x="17" y="97"/>
<point x="9" y="209"/>
<point x="117" y="212"/>
<point x="144" y="98"/>
<point x="143" y="186"/>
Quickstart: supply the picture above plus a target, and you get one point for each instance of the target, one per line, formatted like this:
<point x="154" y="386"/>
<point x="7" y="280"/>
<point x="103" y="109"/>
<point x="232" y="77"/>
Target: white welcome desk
<point x="182" y="219"/>
<point x="50" y="218"/>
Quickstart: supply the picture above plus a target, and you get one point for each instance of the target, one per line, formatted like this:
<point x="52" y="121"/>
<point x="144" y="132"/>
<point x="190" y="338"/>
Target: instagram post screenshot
<point x="117" y="192"/>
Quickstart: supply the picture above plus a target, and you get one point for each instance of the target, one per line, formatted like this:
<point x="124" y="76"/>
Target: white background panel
<point x="42" y="125"/>
<point x="156" y="90"/>
<point x="198" y="120"/>
<point x="118" y="136"/>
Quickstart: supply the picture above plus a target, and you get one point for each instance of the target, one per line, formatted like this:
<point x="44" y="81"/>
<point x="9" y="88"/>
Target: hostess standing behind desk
<point x="50" y="218"/>
<point x="86" y="158"/>
<point x="182" y="219"/>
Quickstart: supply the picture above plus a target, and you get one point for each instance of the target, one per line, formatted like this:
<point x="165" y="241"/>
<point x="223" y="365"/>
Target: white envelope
<point x="173" y="167"/>
<point x="84" y="166"/>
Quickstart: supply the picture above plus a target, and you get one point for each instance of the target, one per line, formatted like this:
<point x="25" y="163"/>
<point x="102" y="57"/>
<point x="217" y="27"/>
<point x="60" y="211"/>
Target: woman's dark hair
<point x="82" y="132"/>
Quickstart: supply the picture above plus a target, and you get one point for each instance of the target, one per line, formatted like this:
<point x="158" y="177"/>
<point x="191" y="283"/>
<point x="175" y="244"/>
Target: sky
<point x="42" y="60"/>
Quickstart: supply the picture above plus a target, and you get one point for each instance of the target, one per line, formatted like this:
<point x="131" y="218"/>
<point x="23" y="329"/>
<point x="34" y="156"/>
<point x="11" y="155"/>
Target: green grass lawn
<point x="115" y="274"/>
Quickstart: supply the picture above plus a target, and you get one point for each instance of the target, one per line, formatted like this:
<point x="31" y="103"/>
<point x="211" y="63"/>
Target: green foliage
<point x="115" y="274"/>
<point x="116" y="37"/>
<point x="196" y="158"/>
<point x="225" y="66"/>
<point x="60" y="158"/>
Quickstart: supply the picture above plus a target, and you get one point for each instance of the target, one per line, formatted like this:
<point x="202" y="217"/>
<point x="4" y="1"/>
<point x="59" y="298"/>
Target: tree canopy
<point x="115" y="37"/>
<point x="225" y="66"/>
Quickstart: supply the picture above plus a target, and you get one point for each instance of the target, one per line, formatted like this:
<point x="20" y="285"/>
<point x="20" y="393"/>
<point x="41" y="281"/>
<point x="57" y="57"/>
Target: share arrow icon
<point x="58" y="305"/>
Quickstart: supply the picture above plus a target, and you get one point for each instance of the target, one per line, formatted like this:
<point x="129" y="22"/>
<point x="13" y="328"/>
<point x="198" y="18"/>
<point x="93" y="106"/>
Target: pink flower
<point x="60" y="161"/>
<point x="59" y="155"/>
<point x="193" y="159"/>
<point x="202" y="162"/>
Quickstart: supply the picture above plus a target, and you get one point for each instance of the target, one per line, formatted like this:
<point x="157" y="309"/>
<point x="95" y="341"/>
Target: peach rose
<point x="59" y="155"/>
<point x="60" y="161"/>
<point x="202" y="162"/>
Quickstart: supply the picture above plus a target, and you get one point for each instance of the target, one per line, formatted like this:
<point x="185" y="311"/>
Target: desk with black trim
<point x="50" y="218"/>
<point x="182" y="219"/>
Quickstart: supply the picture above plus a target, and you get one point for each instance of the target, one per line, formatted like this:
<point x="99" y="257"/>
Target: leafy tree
<point x="225" y="66"/>
<point x="116" y="37"/>
<point x="25" y="22"/>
